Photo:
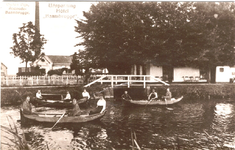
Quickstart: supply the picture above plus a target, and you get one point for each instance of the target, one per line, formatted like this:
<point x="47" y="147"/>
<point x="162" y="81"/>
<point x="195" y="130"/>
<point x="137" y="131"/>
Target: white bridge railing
<point x="126" y="79"/>
<point x="40" y="80"/>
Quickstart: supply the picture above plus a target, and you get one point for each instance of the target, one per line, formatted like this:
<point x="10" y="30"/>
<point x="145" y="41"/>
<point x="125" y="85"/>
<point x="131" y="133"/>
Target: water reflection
<point x="224" y="118"/>
<point x="155" y="127"/>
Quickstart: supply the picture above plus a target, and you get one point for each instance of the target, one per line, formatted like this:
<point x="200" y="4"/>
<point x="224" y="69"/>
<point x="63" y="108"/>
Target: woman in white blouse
<point x="101" y="106"/>
<point x="85" y="94"/>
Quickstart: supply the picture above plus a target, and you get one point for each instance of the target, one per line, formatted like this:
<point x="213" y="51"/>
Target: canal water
<point x="198" y="124"/>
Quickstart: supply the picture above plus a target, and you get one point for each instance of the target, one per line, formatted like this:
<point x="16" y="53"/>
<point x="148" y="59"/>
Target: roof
<point x="60" y="59"/>
<point x="3" y="65"/>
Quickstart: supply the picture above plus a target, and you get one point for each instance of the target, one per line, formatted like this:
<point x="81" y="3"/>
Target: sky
<point x="57" y="21"/>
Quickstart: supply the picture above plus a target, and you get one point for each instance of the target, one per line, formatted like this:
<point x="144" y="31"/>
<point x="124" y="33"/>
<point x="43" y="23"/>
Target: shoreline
<point x="15" y="95"/>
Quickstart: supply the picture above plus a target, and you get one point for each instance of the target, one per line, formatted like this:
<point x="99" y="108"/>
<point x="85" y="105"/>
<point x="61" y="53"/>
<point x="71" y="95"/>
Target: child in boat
<point x="27" y="106"/>
<point x="101" y="106"/>
<point x="126" y="96"/>
<point x="153" y="95"/>
<point x="76" y="111"/>
<point x="39" y="94"/>
<point x="68" y="96"/>
<point x="168" y="94"/>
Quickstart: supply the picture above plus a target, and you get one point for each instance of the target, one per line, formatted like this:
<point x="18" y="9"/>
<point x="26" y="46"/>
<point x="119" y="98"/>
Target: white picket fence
<point x="40" y="80"/>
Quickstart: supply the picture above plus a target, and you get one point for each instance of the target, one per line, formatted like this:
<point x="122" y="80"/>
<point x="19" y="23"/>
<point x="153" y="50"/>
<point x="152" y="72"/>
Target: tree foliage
<point x="119" y="34"/>
<point x="27" y="44"/>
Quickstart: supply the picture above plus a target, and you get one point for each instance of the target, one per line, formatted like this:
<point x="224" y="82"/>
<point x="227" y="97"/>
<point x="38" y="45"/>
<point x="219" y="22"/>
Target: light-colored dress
<point x="86" y="94"/>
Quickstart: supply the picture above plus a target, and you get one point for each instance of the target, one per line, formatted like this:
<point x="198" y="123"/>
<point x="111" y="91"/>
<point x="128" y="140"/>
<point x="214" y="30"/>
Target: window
<point x="43" y="60"/>
<point x="221" y="69"/>
<point x="20" y="70"/>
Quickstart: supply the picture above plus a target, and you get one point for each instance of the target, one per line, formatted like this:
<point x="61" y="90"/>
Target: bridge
<point x="126" y="80"/>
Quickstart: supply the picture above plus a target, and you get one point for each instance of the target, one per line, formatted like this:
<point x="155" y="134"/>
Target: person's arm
<point x="149" y="96"/>
<point x="37" y="96"/>
<point x="156" y="95"/>
<point x="122" y="96"/>
<point x="104" y="107"/>
<point x="88" y="95"/>
<point x="68" y="96"/>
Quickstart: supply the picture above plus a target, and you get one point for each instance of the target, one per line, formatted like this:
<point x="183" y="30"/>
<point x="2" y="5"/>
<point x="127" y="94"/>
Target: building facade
<point x="53" y="62"/>
<point x="3" y="70"/>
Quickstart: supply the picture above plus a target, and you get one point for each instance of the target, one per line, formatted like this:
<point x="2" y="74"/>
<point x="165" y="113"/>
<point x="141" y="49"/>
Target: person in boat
<point x="85" y="94"/>
<point x="153" y="95"/>
<point x="39" y="95"/>
<point x="101" y="106"/>
<point x="168" y="94"/>
<point x="126" y="96"/>
<point x="68" y="96"/>
<point x="27" y="106"/>
<point x="76" y="111"/>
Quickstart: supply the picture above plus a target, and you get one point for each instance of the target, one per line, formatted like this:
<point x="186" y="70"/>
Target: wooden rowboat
<point x="153" y="102"/>
<point x="56" y="103"/>
<point x="53" y="118"/>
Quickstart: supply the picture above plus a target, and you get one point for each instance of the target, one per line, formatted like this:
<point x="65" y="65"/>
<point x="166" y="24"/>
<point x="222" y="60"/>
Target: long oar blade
<point x="58" y="120"/>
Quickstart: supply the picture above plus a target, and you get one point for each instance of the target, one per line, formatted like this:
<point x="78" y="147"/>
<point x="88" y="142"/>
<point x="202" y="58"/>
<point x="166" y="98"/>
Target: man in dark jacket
<point x="126" y="96"/>
<point x="27" y="106"/>
<point x="76" y="111"/>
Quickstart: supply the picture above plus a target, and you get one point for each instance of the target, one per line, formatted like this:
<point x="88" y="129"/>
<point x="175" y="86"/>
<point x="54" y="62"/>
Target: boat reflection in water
<point x="183" y="127"/>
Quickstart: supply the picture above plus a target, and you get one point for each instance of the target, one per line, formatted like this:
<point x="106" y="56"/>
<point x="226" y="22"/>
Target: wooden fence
<point x="40" y="80"/>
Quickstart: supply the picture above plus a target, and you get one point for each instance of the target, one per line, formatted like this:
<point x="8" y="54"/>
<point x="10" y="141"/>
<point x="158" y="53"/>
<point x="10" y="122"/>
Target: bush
<point x="57" y="71"/>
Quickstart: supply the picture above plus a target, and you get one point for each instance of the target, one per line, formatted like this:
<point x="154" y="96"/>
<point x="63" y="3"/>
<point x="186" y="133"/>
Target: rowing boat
<point x="56" y="103"/>
<point x="153" y="102"/>
<point x="53" y="118"/>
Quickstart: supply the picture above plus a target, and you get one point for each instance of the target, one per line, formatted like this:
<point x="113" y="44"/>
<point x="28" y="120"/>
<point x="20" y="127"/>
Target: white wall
<point x="223" y="74"/>
<point x="43" y="64"/>
<point x="179" y="72"/>
<point x="155" y="70"/>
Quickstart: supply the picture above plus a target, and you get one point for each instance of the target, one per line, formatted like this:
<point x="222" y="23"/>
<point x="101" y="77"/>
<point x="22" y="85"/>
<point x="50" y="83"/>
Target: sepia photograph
<point x="117" y="75"/>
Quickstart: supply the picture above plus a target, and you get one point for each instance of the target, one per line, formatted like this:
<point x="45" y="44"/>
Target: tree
<point x="119" y="34"/>
<point x="27" y="44"/>
<point x="218" y="28"/>
<point x="76" y="64"/>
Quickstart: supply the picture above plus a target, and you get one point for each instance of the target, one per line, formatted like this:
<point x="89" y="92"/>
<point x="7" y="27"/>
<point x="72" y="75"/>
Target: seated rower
<point x="153" y="95"/>
<point x="68" y="96"/>
<point x="27" y="106"/>
<point x="39" y="94"/>
<point x="85" y="94"/>
<point x="126" y="96"/>
<point x="168" y="94"/>
<point x="101" y="106"/>
<point x="76" y="111"/>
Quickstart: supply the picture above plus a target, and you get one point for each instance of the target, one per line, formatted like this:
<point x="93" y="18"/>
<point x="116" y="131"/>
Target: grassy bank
<point x="15" y="96"/>
<point x="202" y="91"/>
<point x="189" y="91"/>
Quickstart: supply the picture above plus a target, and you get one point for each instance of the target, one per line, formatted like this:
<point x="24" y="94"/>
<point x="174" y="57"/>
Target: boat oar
<point x="148" y="103"/>
<point x="58" y="120"/>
